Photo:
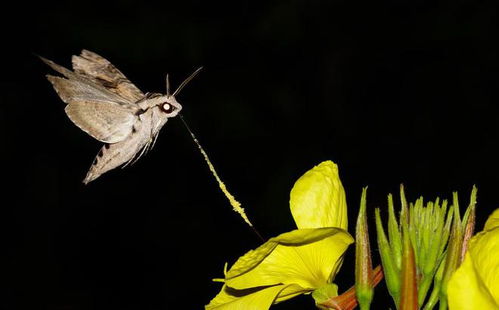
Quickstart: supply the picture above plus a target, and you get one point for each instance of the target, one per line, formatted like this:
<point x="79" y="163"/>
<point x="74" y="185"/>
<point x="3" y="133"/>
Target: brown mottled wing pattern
<point x="103" y="114"/>
<point x="104" y="73"/>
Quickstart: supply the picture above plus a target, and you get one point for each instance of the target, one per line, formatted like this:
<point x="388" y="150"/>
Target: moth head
<point x="170" y="106"/>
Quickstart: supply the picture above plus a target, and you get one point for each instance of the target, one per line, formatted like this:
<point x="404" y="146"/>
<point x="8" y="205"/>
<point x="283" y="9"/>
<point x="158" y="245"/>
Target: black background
<point x="393" y="91"/>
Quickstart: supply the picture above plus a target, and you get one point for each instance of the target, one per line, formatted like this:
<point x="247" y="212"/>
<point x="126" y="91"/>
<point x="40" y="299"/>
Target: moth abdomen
<point x="100" y="154"/>
<point x="113" y="155"/>
<point x="103" y="159"/>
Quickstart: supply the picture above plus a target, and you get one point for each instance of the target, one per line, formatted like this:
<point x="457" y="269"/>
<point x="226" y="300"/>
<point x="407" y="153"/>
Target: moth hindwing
<point x="102" y="102"/>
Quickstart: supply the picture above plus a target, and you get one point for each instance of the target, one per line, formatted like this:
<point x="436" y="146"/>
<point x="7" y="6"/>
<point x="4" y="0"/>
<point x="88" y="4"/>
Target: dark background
<point x="393" y="91"/>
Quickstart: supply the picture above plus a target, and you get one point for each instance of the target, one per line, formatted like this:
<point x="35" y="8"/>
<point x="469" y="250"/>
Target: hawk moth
<point x="102" y="102"/>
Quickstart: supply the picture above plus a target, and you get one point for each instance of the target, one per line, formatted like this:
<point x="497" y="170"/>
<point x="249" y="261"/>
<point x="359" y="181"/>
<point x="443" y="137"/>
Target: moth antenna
<point x="167" y="85"/>
<point x="236" y="205"/>
<point x="187" y="80"/>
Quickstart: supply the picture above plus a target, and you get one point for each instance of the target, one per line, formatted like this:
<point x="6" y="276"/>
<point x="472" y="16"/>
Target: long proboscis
<point x="182" y="85"/>
<point x="236" y="205"/>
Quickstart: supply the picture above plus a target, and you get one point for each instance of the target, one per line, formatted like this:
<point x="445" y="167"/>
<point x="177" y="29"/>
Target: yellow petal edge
<point x="317" y="198"/>
<point x="492" y="221"/>
<point x="258" y="300"/>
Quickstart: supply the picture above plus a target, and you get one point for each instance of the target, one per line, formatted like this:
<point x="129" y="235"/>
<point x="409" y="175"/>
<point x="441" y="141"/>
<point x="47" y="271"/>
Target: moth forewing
<point x="98" y="68"/>
<point x="105" y="104"/>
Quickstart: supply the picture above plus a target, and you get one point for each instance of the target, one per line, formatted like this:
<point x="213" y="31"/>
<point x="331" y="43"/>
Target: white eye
<point x="168" y="108"/>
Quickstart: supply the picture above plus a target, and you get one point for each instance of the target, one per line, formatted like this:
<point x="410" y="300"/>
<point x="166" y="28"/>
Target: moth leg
<point x="129" y="162"/>
<point x="137" y="157"/>
<point x="152" y="138"/>
<point x="154" y="142"/>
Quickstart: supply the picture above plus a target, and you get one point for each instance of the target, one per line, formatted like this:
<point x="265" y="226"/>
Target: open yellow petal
<point x="475" y="284"/>
<point x="309" y="258"/>
<point x="492" y="221"/>
<point x="318" y="199"/>
<point x="484" y="249"/>
<point x="467" y="291"/>
<point x="255" y="299"/>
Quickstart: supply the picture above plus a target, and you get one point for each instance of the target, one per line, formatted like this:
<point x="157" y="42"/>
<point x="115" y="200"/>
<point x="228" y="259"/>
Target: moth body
<point x="113" y="155"/>
<point x="105" y="104"/>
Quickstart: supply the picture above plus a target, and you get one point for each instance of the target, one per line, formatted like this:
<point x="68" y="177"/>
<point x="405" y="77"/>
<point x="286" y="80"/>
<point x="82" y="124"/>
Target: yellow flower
<point x="299" y="261"/>
<point x="475" y="284"/>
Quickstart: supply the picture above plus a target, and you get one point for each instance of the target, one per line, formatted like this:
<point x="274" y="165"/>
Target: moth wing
<point x="80" y="78"/>
<point x="106" y="74"/>
<point x="75" y="89"/>
<point x="105" y="115"/>
<point x="106" y="122"/>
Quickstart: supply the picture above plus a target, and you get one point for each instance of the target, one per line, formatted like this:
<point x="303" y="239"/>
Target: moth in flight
<point x="106" y="105"/>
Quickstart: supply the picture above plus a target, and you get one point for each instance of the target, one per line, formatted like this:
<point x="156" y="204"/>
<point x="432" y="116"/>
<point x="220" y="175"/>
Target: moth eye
<point x="167" y="108"/>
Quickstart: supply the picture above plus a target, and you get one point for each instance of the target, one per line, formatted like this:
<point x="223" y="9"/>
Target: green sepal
<point x="325" y="292"/>
<point x="390" y="270"/>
